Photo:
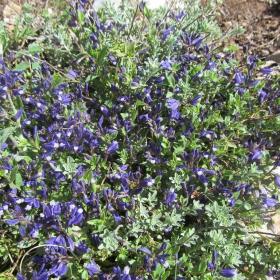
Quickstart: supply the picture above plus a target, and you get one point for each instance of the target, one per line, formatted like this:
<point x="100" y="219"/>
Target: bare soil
<point x="260" y="20"/>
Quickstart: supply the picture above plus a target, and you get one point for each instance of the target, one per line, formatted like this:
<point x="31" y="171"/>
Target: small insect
<point x="195" y="194"/>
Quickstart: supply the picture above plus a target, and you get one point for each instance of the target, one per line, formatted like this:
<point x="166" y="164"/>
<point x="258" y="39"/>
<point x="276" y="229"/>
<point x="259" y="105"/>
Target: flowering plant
<point x="148" y="158"/>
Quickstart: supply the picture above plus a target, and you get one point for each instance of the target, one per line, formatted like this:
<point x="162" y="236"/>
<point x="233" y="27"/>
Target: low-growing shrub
<point x="145" y="158"/>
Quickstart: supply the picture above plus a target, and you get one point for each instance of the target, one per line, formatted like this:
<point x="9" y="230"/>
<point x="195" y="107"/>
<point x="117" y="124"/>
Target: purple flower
<point x="18" y="114"/>
<point x="171" y="196"/>
<point x="72" y="74"/>
<point x="166" y="65"/>
<point x="112" y="59"/>
<point x="4" y="146"/>
<point x="256" y="154"/>
<point x="211" y="65"/>
<point x="82" y="248"/>
<point x="59" y="270"/>
<point x="214" y="257"/>
<point x="197" y="75"/>
<point x="21" y="277"/>
<point x="115" y="214"/>
<point x="93" y="37"/>
<point x="195" y="100"/>
<point x="269" y="201"/>
<point x="76" y="218"/>
<point x="262" y="96"/>
<point x="159" y="80"/>
<point x="238" y="79"/>
<point x="173" y="104"/>
<point x="145" y="250"/>
<point x="92" y="268"/>
<point x="253" y="84"/>
<point x="266" y="71"/>
<point x="12" y="221"/>
<point x="277" y="181"/>
<point x="113" y="148"/>
<point x="228" y="272"/>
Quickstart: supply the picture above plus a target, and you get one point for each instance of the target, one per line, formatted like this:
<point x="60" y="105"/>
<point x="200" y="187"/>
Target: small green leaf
<point x="84" y="275"/>
<point x="134" y="113"/>
<point x="202" y="266"/>
<point x="22" y="66"/>
<point x="90" y="78"/>
<point x="147" y="12"/>
<point x="13" y="186"/>
<point x="233" y="48"/>
<point x="101" y="56"/>
<point x="35" y="65"/>
<point x="81" y="16"/>
<point x="165" y="275"/>
<point x="18" y="180"/>
<point x="34" y="48"/>
<point x="5" y="133"/>
<point x="171" y="80"/>
<point x="13" y="173"/>
<point x="37" y="140"/>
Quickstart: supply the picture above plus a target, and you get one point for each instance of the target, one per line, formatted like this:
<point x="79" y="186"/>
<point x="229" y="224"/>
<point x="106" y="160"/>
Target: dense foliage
<point x="133" y="148"/>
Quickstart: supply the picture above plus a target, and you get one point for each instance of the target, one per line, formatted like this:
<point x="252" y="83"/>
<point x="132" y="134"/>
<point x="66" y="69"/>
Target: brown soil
<point x="260" y="19"/>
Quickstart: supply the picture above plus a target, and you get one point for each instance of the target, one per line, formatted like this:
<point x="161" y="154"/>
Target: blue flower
<point x="112" y="148"/>
<point x="266" y="71"/>
<point x="269" y="201"/>
<point x="228" y="272"/>
<point x="171" y="103"/>
<point x="277" y="181"/>
<point x="72" y="74"/>
<point x="92" y="268"/>
<point x="82" y="248"/>
<point x="145" y="250"/>
<point x="195" y="100"/>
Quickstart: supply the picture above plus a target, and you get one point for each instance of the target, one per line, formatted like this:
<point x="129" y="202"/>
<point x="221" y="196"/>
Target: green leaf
<point x="22" y="66"/>
<point x="37" y="140"/>
<point x="91" y="77"/>
<point x="18" y="180"/>
<point x="13" y="186"/>
<point x="165" y="275"/>
<point x="147" y="12"/>
<point x="202" y="266"/>
<point x="5" y="133"/>
<point x="13" y="174"/>
<point x="134" y="113"/>
<point x="81" y="16"/>
<point x="19" y="158"/>
<point x="101" y="56"/>
<point x="231" y="144"/>
<point x="36" y="65"/>
<point x="84" y="275"/>
<point x="233" y="48"/>
<point x="247" y="206"/>
<point x="34" y="48"/>
<point x="171" y="80"/>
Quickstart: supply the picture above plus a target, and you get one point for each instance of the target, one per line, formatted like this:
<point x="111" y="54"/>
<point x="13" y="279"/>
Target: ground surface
<point x="260" y="20"/>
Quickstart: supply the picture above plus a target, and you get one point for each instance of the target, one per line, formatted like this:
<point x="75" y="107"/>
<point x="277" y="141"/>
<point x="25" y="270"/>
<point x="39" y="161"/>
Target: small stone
<point x="228" y="24"/>
<point x="244" y="24"/>
<point x="274" y="25"/>
<point x="265" y="52"/>
<point x="275" y="56"/>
